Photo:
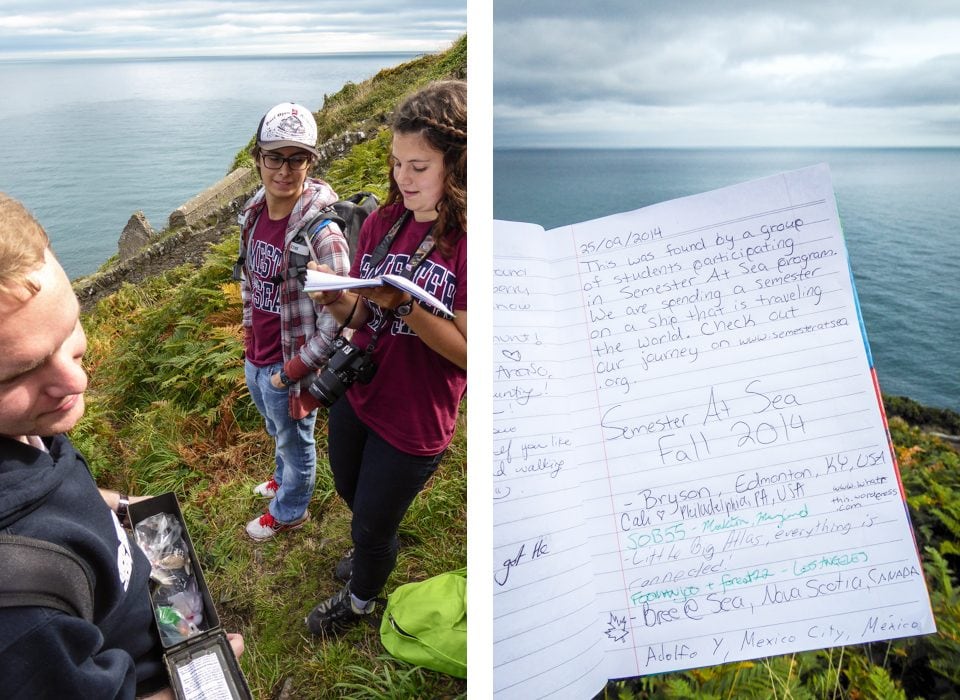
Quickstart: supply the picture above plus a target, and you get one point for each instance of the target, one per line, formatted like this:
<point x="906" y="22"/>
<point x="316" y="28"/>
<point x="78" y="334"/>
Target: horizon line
<point x="219" y="56"/>
<point x="563" y="147"/>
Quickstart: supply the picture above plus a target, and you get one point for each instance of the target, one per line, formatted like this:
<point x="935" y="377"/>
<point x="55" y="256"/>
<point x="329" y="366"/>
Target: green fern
<point x="363" y="169"/>
<point x="168" y="410"/>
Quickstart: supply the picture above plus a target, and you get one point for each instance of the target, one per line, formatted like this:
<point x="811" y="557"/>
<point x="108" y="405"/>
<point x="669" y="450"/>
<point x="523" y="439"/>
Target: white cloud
<point x="183" y="28"/>
<point x="746" y="73"/>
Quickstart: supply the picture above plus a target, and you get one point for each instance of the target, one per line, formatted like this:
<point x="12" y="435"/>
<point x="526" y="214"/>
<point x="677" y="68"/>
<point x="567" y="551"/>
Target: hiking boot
<point x="336" y="613"/>
<point x="344" y="568"/>
<point x="266" y="526"/>
<point x="268" y="489"/>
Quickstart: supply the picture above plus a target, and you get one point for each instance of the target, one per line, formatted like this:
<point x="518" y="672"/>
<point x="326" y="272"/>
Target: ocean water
<point x="89" y="142"/>
<point x="900" y="211"/>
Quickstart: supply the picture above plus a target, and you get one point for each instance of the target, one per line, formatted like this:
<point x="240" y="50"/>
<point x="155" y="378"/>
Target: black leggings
<point x="378" y="482"/>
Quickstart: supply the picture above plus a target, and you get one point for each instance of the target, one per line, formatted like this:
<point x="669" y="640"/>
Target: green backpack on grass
<point x="425" y="623"/>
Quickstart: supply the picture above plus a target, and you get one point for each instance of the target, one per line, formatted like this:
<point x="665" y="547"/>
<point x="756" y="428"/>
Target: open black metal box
<point x="203" y="665"/>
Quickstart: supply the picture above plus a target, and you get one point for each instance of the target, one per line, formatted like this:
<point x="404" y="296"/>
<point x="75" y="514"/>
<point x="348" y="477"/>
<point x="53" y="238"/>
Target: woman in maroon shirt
<point x="387" y="436"/>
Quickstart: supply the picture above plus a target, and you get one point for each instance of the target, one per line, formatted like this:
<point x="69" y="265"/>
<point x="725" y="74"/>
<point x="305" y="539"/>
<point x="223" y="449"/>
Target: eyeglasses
<point x="297" y="161"/>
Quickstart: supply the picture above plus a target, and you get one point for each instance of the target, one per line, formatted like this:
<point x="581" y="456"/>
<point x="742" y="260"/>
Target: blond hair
<point x="22" y="245"/>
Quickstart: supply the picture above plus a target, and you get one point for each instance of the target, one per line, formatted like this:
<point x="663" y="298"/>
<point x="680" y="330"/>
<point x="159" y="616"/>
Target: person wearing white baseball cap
<point x="288" y="125"/>
<point x="286" y="337"/>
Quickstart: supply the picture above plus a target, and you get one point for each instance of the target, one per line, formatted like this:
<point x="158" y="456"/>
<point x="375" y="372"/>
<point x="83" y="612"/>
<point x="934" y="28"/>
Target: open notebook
<point x="690" y="459"/>
<point x="316" y="281"/>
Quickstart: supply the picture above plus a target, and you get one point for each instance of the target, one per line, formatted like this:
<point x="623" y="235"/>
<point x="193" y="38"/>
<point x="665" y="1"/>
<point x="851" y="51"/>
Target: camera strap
<point x="380" y="252"/>
<point x="427" y="244"/>
<point x="423" y="250"/>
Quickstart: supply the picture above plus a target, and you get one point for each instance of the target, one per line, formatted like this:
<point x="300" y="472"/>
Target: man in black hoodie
<point x="47" y="492"/>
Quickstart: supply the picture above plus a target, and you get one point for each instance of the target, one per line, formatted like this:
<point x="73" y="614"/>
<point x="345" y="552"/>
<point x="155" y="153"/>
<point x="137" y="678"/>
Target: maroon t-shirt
<point x="413" y="399"/>
<point x="264" y="258"/>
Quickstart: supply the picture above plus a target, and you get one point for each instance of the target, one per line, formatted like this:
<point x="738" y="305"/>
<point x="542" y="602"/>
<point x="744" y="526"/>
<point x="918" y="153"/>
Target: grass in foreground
<point x="168" y="411"/>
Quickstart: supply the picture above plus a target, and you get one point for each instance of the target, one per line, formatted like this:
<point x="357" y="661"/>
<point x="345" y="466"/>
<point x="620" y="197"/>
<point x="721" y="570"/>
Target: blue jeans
<point x="296" y="452"/>
<point x="378" y="482"/>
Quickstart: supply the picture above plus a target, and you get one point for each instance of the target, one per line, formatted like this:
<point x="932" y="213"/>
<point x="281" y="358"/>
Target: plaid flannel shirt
<point x="306" y="330"/>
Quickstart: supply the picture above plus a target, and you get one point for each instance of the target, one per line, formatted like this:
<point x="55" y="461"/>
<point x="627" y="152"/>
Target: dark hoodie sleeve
<point x="49" y="654"/>
<point x="45" y="653"/>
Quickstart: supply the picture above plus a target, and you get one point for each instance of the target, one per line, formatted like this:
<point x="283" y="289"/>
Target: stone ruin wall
<point x="195" y="225"/>
<point x="192" y="227"/>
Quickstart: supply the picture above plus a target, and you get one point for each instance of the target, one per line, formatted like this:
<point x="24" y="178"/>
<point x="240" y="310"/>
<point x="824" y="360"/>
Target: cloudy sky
<point x="746" y="73"/>
<point x="102" y="28"/>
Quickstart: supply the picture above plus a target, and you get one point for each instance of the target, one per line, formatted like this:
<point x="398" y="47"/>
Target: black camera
<point x="347" y="364"/>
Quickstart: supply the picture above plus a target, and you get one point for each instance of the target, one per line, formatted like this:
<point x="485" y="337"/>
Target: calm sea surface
<point x="88" y="143"/>
<point x="900" y="210"/>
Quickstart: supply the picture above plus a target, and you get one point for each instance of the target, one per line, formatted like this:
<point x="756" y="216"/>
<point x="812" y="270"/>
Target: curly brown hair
<point x="438" y="112"/>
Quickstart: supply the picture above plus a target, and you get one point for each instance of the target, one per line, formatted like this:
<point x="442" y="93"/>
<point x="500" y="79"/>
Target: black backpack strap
<point x="327" y="214"/>
<point x="300" y="253"/>
<point x="242" y="257"/>
<point x="37" y="573"/>
<point x="348" y="214"/>
<point x="366" y="202"/>
<point x="354" y="210"/>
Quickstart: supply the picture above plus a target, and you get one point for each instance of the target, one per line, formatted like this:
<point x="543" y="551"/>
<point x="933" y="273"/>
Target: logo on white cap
<point x="288" y="124"/>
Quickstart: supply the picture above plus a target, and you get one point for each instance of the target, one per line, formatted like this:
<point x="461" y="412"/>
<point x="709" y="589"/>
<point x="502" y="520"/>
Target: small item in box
<point x="199" y="659"/>
<point x="178" y="605"/>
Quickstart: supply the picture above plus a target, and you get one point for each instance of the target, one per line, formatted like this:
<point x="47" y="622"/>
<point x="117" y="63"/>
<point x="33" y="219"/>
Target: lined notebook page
<point x="738" y="489"/>
<point x="744" y="500"/>
<point x="545" y="643"/>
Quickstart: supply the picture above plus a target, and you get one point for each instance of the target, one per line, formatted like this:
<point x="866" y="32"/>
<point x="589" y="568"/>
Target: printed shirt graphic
<point x="264" y="262"/>
<point x="124" y="555"/>
<point x="413" y="399"/>
<point x="431" y="276"/>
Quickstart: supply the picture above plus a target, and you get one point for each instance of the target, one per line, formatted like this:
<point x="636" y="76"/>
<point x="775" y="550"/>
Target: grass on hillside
<point x="366" y="106"/>
<point x="168" y="410"/>
<point x="367" y="102"/>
